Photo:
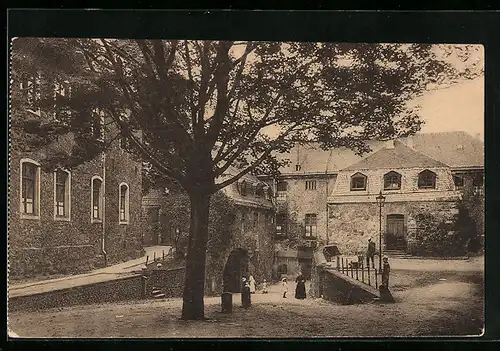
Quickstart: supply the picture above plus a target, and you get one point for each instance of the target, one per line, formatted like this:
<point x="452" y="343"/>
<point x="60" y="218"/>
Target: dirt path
<point x="446" y="307"/>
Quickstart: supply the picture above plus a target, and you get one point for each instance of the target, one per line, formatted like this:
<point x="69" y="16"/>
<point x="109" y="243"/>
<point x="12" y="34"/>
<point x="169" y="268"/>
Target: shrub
<point x="439" y="238"/>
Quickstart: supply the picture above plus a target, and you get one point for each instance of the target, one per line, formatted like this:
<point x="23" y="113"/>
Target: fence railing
<point x="357" y="270"/>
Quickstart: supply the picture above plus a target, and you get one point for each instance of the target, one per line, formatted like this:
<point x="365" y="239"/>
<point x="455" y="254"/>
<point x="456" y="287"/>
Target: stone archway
<point x="236" y="267"/>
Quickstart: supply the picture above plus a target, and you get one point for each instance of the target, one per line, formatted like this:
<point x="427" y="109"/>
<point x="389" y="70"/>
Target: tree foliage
<point x="202" y="107"/>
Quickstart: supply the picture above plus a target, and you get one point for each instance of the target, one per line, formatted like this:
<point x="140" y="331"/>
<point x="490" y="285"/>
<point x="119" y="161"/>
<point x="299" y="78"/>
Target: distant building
<point x="69" y="220"/>
<point x="328" y="197"/>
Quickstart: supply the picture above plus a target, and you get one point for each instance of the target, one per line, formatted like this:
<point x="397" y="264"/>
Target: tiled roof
<point x="250" y="199"/>
<point x="455" y="149"/>
<point x="313" y="159"/>
<point x="399" y="156"/>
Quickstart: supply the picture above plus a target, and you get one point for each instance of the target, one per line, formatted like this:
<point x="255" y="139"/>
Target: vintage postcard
<point x="245" y="189"/>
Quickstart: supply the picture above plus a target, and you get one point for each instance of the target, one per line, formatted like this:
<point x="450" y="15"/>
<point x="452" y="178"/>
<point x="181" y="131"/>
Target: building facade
<point x="68" y="220"/>
<point x="241" y="231"/>
<point x="329" y="197"/>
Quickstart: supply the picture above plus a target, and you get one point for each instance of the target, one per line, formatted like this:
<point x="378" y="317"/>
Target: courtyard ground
<point x="428" y="303"/>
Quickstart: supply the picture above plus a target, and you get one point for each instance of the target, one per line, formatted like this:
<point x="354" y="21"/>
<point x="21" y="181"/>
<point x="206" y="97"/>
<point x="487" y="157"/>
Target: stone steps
<point x="158" y="293"/>
<point x="396" y="254"/>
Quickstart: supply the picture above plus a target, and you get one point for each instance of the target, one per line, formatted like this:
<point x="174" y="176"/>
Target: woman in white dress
<point x="251" y="282"/>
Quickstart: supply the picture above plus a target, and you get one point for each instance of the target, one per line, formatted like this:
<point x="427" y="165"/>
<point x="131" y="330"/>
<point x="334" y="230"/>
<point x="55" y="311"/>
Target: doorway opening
<point x="395" y="235"/>
<point x="236" y="267"/>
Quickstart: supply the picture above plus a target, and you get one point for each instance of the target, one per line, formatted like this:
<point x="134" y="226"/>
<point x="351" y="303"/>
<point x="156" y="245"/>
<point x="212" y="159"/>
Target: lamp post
<point x="380" y="201"/>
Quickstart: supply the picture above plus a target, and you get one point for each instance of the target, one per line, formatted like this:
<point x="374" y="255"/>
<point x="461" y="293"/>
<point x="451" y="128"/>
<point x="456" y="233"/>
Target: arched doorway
<point x="236" y="267"/>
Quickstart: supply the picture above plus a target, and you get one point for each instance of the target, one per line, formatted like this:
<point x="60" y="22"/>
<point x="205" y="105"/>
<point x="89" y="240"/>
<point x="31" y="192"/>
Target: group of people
<point x="300" y="288"/>
<point x="386" y="268"/>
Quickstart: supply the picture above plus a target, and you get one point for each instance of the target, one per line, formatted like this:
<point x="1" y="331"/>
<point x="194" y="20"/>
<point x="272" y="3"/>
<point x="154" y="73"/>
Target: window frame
<point x="100" y="210"/>
<point x="126" y="208"/>
<point x="282" y="224"/>
<point x="426" y="187"/>
<point x="389" y="175"/>
<point x="67" y="196"/>
<point x="358" y="175"/>
<point x="311" y="227"/>
<point x="311" y="184"/>
<point x="281" y="194"/>
<point x="36" y="191"/>
<point x="462" y="180"/>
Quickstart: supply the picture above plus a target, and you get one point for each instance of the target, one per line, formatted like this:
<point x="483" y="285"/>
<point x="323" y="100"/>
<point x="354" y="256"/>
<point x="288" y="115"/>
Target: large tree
<point x="205" y="106"/>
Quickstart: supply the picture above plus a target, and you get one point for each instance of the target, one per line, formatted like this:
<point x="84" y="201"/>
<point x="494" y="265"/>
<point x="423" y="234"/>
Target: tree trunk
<point x="194" y="284"/>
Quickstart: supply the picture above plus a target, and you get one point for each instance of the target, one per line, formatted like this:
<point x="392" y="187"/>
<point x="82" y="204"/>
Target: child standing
<point x="264" y="287"/>
<point x="284" y="284"/>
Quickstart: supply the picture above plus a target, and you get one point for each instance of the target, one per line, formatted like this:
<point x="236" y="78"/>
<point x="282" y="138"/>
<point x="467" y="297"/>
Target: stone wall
<point x="257" y="240"/>
<point x="170" y="281"/>
<point x="46" y="245"/>
<point x="123" y="241"/>
<point x="352" y="224"/>
<point x="123" y="289"/>
<point x="336" y="287"/>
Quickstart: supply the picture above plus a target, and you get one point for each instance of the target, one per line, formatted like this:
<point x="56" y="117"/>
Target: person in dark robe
<point x="370" y="253"/>
<point x="300" y="289"/>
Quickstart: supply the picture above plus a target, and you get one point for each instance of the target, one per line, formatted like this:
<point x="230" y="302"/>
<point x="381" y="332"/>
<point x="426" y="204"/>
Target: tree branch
<point x="272" y="147"/>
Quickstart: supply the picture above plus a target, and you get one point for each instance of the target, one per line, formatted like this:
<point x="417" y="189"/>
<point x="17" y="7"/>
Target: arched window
<point x="30" y="189"/>
<point x="124" y="203"/>
<point x="427" y="180"/>
<point x="96" y="199"/>
<point x="62" y="195"/>
<point x="392" y="181"/>
<point x="358" y="182"/>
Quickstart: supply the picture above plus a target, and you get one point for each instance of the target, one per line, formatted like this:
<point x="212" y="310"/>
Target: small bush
<point x="435" y="237"/>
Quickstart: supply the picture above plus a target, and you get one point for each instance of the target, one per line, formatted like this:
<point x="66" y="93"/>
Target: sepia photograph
<point x="245" y="189"/>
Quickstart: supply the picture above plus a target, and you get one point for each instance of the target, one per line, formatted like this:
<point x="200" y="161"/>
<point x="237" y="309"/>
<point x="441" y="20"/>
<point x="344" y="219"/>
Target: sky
<point x="456" y="108"/>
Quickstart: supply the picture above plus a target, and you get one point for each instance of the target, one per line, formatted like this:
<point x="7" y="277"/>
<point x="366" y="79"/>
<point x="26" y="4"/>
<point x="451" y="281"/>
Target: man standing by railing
<point x="370" y="253"/>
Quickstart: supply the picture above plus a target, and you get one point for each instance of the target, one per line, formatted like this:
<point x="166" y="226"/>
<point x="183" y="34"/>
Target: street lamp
<point x="380" y="201"/>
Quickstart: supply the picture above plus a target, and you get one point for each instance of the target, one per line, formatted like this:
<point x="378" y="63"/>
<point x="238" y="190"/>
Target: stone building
<point x="241" y="230"/>
<point x="69" y="220"/>
<point x="329" y="197"/>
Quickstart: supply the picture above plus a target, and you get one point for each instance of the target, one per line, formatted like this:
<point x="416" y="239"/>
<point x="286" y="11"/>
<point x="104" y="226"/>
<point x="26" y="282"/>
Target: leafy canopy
<point x="203" y="107"/>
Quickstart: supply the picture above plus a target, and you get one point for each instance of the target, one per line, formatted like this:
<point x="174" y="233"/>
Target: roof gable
<point x="400" y="156"/>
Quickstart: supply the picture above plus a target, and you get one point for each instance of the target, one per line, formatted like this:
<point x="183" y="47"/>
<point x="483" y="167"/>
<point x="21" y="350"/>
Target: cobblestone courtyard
<point x="428" y="304"/>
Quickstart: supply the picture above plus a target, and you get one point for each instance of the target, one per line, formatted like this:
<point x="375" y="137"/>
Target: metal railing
<point x="358" y="271"/>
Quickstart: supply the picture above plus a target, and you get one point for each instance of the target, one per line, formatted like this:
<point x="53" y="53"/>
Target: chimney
<point x="389" y="144"/>
<point x="409" y="141"/>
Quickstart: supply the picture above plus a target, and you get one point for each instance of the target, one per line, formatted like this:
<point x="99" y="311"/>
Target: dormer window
<point x="427" y="180"/>
<point x="358" y="182"/>
<point x="392" y="181"/>
<point x="297" y="168"/>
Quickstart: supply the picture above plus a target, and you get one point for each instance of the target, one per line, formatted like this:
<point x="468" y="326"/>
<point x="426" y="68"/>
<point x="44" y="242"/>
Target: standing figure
<point x="300" y="290"/>
<point x="284" y="284"/>
<point x="386" y="269"/>
<point x="264" y="287"/>
<point x="245" y="293"/>
<point x="251" y="282"/>
<point x="370" y="253"/>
